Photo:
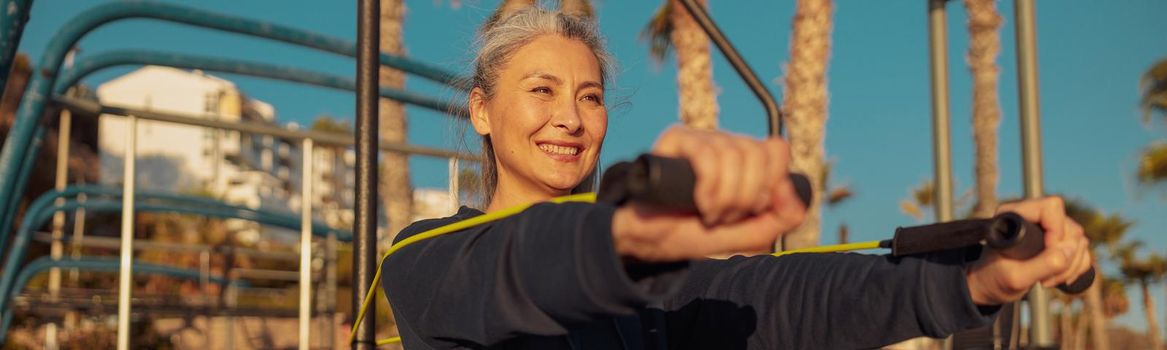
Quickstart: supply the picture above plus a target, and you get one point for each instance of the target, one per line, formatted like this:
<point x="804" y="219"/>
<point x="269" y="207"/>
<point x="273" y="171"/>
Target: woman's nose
<point x="566" y="117"/>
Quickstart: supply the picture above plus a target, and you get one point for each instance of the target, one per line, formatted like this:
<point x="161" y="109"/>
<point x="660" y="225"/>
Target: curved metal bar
<point x="773" y="114"/>
<point x="89" y="64"/>
<point x="101" y="265"/>
<point x="32" y="106"/>
<point x="21" y="180"/>
<point x="40" y="214"/>
<point x="326" y="138"/>
<point x="11" y="30"/>
<point x="47" y="199"/>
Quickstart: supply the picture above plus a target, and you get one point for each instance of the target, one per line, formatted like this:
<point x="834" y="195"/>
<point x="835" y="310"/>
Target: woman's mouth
<point x="560" y="150"/>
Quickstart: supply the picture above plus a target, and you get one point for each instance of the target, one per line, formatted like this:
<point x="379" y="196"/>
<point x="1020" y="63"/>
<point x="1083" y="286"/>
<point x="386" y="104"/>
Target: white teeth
<point x="555" y="149"/>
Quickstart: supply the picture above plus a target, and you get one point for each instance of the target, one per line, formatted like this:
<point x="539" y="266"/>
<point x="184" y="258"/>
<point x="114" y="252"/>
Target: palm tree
<point x="1144" y="271"/>
<point x="1104" y="231"/>
<point x="920" y="198"/>
<point x="1153" y="164"/>
<point x="673" y="28"/>
<point x="395" y="188"/>
<point x="836" y="195"/>
<point x="1153" y="85"/>
<point x="984" y="25"/>
<point x="805" y="106"/>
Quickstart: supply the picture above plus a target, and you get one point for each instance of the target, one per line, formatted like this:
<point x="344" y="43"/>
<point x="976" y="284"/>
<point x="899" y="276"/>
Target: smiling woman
<point x="573" y="92"/>
<point x="558" y="275"/>
<point x="549" y="118"/>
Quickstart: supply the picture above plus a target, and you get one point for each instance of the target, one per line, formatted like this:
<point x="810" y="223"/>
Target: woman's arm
<point x="821" y="301"/>
<point x="540" y="272"/>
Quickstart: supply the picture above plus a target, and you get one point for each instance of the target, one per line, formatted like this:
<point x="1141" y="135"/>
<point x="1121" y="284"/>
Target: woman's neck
<point x="512" y="193"/>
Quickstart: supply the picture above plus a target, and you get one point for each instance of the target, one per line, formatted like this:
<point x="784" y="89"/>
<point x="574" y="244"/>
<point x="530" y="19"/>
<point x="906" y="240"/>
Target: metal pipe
<point x="365" y="225"/>
<point x="306" y="180"/>
<point x="23" y="129"/>
<point x="41" y="210"/>
<point x="94" y="264"/>
<point x="56" y="249"/>
<point x="90" y="64"/>
<point x="1041" y="335"/>
<point x="114" y="243"/>
<point x="773" y="114"/>
<point x="322" y="138"/>
<point x="941" y="148"/>
<point x="125" y="271"/>
<point x="11" y="30"/>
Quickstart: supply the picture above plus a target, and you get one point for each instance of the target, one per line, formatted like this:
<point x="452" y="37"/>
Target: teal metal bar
<point x="21" y="181"/>
<point x="39" y="88"/>
<point x="12" y="21"/>
<point x="42" y="210"/>
<point x="102" y="265"/>
<point x="90" y="64"/>
<point x="94" y="191"/>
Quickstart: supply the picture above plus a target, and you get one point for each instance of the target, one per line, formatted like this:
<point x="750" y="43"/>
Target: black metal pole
<point x="365" y="225"/>
<point x="773" y="114"/>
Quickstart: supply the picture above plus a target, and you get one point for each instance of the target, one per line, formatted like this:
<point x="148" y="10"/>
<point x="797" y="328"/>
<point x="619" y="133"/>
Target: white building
<point x="249" y="170"/>
<point x="244" y="169"/>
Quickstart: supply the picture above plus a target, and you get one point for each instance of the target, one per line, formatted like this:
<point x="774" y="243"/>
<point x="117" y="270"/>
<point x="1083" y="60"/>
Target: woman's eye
<point x="542" y="90"/>
<point x="593" y="98"/>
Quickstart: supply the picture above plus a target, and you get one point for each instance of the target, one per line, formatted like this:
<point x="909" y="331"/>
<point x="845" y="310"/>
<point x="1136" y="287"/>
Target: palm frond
<point x="659" y="33"/>
<point x="1153" y="164"/>
<point x="1153" y="88"/>
<point x="911" y="209"/>
<point x="924" y="194"/>
<point x="839" y="194"/>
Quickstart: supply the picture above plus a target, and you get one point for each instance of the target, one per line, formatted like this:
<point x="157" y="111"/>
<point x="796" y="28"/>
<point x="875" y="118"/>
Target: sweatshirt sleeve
<point x="821" y="301"/>
<point x="540" y="272"/>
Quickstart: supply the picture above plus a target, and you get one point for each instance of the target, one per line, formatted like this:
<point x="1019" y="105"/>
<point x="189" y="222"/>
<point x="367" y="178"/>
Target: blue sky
<point x="1091" y="54"/>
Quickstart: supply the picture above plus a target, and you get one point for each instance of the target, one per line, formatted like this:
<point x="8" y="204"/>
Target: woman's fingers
<point x="1048" y="212"/>
<point x="735" y="175"/>
<point x="752" y="174"/>
<point x="1080" y="251"/>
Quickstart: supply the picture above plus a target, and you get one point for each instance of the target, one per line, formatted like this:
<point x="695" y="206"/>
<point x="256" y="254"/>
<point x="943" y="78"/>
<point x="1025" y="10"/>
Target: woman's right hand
<point x="743" y="194"/>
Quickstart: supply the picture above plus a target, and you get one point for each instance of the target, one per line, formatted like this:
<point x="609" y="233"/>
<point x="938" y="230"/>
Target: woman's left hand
<point x="995" y="279"/>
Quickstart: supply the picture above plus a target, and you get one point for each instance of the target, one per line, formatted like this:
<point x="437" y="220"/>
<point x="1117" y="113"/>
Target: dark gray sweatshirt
<point x="548" y="278"/>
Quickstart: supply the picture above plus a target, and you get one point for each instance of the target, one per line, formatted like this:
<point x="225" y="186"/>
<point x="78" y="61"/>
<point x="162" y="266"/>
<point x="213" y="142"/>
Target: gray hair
<point x="502" y="35"/>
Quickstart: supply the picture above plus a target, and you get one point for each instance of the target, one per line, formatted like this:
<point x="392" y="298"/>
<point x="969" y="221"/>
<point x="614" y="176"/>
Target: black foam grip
<point x="1017" y="238"/>
<point x="668" y="183"/>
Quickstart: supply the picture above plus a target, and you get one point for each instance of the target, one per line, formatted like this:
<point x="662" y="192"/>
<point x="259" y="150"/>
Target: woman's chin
<point x="562" y="185"/>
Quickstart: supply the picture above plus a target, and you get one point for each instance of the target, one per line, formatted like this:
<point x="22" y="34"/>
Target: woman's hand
<point x="743" y="194"/>
<point x="995" y="279"/>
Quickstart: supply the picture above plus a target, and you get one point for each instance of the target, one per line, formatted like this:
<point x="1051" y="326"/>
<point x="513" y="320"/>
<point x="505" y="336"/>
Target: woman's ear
<point x="479" y="117"/>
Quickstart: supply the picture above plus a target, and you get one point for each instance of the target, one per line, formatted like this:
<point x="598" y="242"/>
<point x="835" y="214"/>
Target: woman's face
<point x="546" y="119"/>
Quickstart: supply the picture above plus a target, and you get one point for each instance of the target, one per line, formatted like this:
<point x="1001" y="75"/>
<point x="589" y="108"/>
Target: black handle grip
<point x="1017" y="238"/>
<point x="667" y="183"/>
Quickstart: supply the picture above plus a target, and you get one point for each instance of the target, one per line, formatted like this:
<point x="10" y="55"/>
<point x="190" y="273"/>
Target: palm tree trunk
<point x="1066" y="319"/>
<point x="1094" y="307"/>
<point x="395" y="189"/>
<point x="1152" y="322"/>
<point x="1079" y="342"/>
<point x="805" y="106"/>
<point x="697" y="95"/>
<point x="984" y="45"/>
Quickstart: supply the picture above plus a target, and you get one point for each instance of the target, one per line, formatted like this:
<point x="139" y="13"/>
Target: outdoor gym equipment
<point x="667" y="183"/>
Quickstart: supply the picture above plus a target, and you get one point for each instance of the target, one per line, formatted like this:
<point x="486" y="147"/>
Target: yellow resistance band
<point x="495" y="216"/>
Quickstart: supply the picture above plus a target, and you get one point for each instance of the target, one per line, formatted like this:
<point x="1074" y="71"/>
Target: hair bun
<point x="507" y="8"/>
<point x="577" y="8"/>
